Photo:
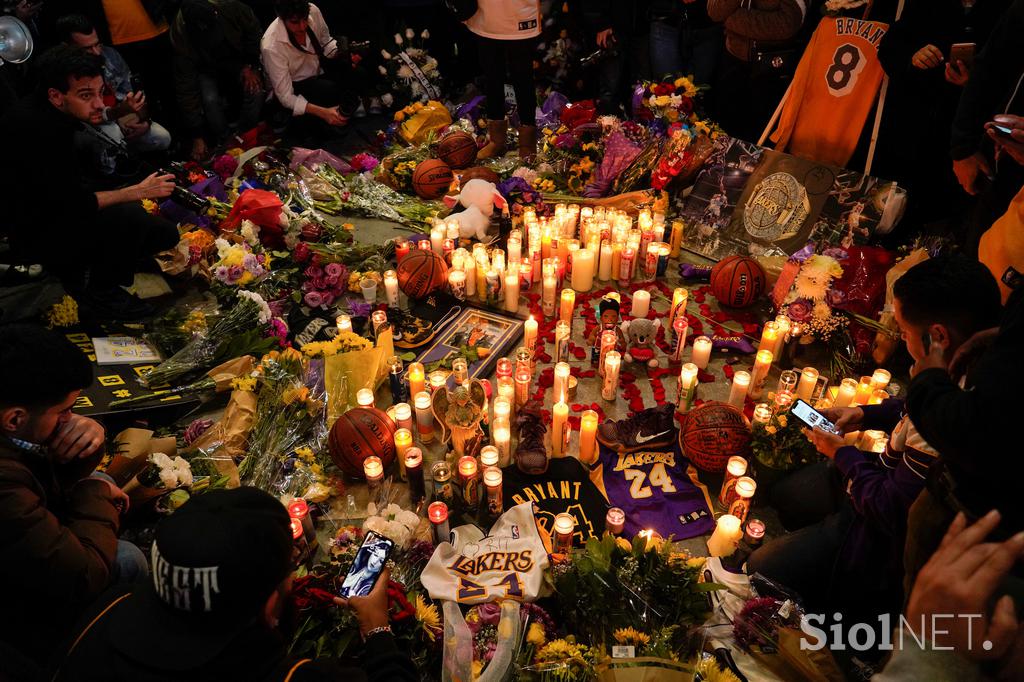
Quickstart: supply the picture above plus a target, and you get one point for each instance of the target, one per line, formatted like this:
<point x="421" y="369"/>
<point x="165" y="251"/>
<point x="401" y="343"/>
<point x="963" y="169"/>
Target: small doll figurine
<point x="640" y="336"/>
<point x="608" y="319"/>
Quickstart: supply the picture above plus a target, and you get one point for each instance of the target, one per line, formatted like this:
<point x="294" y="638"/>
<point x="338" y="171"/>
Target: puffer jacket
<point x="760" y="21"/>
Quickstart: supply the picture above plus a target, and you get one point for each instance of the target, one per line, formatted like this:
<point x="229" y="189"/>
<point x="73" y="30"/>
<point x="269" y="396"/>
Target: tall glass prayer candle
<point x="759" y="373"/>
<point x="344" y="323"/>
<point x="560" y="388"/>
<point x="523" y="379"/>
<point x="503" y="368"/>
<point x="880" y="379"/>
<point x="489" y="456"/>
<point x="726" y="536"/>
<point x="738" y="391"/>
<point x="502" y="408"/>
<point x="413" y="461"/>
<point x="787" y="381"/>
<point x="447" y="248"/>
<point x="679" y="298"/>
<point x="808" y="380"/>
<point x="401" y="249"/>
<point x="846" y="393"/>
<point x="675" y="240"/>
<point x="501" y="431"/>
<point x="783" y="401"/>
<point x="686" y="389"/>
<point x="604" y="270"/>
<point x="565" y="309"/>
<point x="492" y="481"/>
<point x="525" y="275"/>
<point x="459" y="257"/>
<point x="616" y="259"/>
<point x="437" y="512"/>
<point x="570" y="257"/>
<point x="469" y="268"/>
<point x="701" y="354"/>
<point x="878" y="396"/>
<point x="364" y="397"/>
<point x="512" y="290"/>
<point x="403" y="416"/>
<point x="863" y="391"/>
<point x="560" y="429"/>
<point x="493" y="287"/>
<point x="548" y="295"/>
<point x="507" y="390"/>
<point x="588" y="437"/>
<point x="869" y="438"/>
<point x="610" y="387"/>
<point x="298" y="509"/>
<point x="373" y="470"/>
<point x="614" y="521"/>
<point x="609" y="338"/>
<point x="460" y="371"/>
<point x="396" y="378"/>
<point x="745" y="489"/>
<point x="564" y="527"/>
<point x="469" y="481"/>
<point x="663" y="250"/>
<point x="681" y="327"/>
<point x="626" y="261"/>
<point x="545" y="244"/>
<point x="424" y="417"/>
<point x="452" y="229"/>
<point x="562" y="333"/>
<point x="782" y="326"/>
<point x="498" y="261"/>
<point x="641" y="304"/>
<point x="437" y="237"/>
<point x="441" y="478"/>
<point x="734" y="468"/>
<point x="403" y="441"/>
<point x="583" y="267"/>
<point x="457" y="284"/>
<point x="423" y="245"/>
<point x="649" y="262"/>
<point x="481" y="281"/>
<point x="515" y="250"/>
<point x="762" y="413"/>
<point x="530" y="334"/>
<point x="417" y="379"/>
<point x="391" y="288"/>
<point x="769" y="337"/>
<point x="379" y="319"/>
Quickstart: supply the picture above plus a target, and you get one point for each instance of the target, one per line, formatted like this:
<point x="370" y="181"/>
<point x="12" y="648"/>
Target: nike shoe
<point x="652" y="428"/>
<point x="531" y="453"/>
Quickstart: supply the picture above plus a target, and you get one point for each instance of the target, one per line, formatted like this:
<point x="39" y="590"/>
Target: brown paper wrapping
<point x="790" y="663"/>
<point x="134" y="446"/>
<point x="644" y="669"/>
<point x="231" y="432"/>
<point x="224" y="373"/>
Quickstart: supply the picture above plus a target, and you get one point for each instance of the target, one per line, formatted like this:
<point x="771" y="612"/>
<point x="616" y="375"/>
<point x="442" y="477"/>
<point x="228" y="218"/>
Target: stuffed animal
<point x="640" y="346"/>
<point x="479" y="198"/>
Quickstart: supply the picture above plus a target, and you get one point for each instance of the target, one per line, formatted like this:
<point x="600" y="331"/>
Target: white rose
<point x="408" y="519"/>
<point x="398" y="533"/>
<point x="169" y="478"/>
<point x="161" y="460"/>
<point x="183" y="471"/>
<point x="376" y="524"/>
<point x="371" y="509"/>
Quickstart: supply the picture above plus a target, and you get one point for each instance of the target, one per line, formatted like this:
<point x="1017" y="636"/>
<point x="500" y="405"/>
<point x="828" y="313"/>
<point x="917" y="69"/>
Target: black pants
<point x="325" y="90"/>
<point x="514" y="58"/>
<point x="745" y="97"/>
<point x="151" y="60"/>
<point x="104" y="252"/>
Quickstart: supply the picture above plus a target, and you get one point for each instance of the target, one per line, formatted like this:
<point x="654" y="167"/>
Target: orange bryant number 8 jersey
<point x="833" y="91"/>
<point x="474" y="568"/>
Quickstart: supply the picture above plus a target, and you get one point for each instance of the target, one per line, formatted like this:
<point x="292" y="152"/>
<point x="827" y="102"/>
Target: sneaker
<point x="652" y="428"/>
<point x="531" y="452"/>
<point x="113" y="304"/>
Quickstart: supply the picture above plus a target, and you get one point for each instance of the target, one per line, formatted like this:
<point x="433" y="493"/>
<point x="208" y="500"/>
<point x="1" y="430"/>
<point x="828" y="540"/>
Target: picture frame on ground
<point x="474" y="332"/>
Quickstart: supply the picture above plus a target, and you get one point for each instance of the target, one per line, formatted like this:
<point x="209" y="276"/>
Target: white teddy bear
<point x="479" y="198"/>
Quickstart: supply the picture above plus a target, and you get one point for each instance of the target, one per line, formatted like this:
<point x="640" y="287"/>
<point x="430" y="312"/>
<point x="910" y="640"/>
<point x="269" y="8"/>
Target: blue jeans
<point x="701" y="52"/>
<point x="130" y="565"/>
<point x="664" y="44"/>
<point x="214" y="93"/>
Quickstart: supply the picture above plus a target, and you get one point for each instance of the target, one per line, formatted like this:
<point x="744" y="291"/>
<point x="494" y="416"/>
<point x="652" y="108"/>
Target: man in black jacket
<point x="221" y="577"/>
<point x="92" y="240"/>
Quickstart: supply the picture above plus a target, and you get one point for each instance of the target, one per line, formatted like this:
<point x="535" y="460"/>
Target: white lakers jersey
<point x="474" y="568"/>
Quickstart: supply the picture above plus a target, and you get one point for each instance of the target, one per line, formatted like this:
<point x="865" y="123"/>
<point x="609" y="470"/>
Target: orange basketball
<point x="737" y="281"/>
<point x="431" y="178"/>
<point x="712" y="434"/>
<point x="421" y="273"/>
<point x="457" y="149"/>
<point x="358" y="434"/>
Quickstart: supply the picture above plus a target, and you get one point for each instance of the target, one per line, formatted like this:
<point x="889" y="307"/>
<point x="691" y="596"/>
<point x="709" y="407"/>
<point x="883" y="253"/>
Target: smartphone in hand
<point x="367" y="566"/>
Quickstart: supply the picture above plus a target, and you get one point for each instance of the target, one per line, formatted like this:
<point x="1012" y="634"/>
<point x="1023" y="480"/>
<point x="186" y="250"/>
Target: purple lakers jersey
<point x="657" y="489"/>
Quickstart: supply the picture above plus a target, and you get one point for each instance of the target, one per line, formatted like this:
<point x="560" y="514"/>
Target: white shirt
<point x="285" y="64"/>
<point x="506" y="19"/>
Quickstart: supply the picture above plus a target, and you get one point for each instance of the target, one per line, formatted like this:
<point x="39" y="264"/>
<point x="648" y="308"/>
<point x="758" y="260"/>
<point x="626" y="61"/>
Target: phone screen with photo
<point x="811" y="417"/>
<point x="367" y="566"/>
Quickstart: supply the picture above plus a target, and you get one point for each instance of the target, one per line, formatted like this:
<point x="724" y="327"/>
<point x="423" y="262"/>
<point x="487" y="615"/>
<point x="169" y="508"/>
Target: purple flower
<point x="313" y="299"/>
<point x="834" y="297"/>
<point x="197" y="428"/>
<point x="565" y="141"/>
<point x="513" y="185"/>
<point x="250" y="262"/>
<point x="221" y="273"/>
<point x="800" y="310"/>
<point x="835" y="252"/>
<point x="234" y="272"/>
<point x="335" y="270"/>
<point x="360" y="308"/>
<point x="490" y="613"/>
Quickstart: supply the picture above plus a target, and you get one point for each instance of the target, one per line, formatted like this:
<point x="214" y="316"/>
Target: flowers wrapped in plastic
<point x="161" y="475"/>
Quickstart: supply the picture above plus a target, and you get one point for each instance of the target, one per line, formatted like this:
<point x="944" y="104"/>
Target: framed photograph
<point x="475" y="333"/>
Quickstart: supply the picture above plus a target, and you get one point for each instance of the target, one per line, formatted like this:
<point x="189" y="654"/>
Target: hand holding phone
<point x="367" y="566"/>
<point x="811" y="417"/>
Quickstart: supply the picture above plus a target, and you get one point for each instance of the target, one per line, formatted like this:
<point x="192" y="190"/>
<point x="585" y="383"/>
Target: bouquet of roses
<point x="537" y="626"/>
<point x="237" y="332"/>
<point x="323" y="285"/>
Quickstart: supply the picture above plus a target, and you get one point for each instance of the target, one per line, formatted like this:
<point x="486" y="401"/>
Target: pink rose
<point x="800" y="310"/>
<point x="334" y="269"/>
<point x="331" y="280"/>
<point x="313" y="272"/>
<point x="326" y="298"/>
<point x="313" y="299"/>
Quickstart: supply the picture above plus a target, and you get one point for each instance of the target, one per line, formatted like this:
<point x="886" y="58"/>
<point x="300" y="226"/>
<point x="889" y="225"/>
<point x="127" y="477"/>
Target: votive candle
<point x="530" y="334"/>
<point x="437" y="512"/>
<point x="701" y="353"/>
<point x="745" y="489"/>
<point x="502" y="433"/>
<point x="726" y="536"/>
<point x="734" y="468"/>
<point x="681" y="328"/>
<point x="424" y="417"/>
<point x="615" y="521"/>
<point x="492" y="481"/>
<point x="641" y="303"/>
<point x="808" y="380"/>
<point x="880" y="379"/>
<point x="588" y="437"/>
<point x="469" y="481"/>
<point x="762" y="413"/>
<point x="738" y="391"/>
<point x="687" y="388"/>
<point x="564" y="527"/>
<point x="373" y="470"/>
<point x="568" y="302"/>
<point x="512" y="290"/>
<point x="344" y="323"/>
<point x="846" y="393"/>
<point x="364" y="397"/>
<point x="391" y="287"/>
<point x="610" y="387"/>
<point x="878" y="396"/>
<point x="416" y="377"/>
<point x="759" y="373"/>
<point x="560" y="389"/>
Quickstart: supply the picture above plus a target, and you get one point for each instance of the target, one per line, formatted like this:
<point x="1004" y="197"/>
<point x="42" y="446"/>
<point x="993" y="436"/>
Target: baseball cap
<point x="215" y="561"/>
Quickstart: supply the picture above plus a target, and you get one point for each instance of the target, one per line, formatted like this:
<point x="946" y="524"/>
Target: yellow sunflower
<point x="428" y="617"/>
<point x="631" y="636"/>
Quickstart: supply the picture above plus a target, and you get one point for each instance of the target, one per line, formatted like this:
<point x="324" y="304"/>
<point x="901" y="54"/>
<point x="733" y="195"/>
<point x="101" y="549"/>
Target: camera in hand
<point x="182" y="195"/>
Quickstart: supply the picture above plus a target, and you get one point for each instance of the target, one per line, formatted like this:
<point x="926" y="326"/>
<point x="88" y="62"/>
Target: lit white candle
<point x="403" y="441"/>
<point x="457" y="284"/>
<point x="745" y="489"/>
<point x="530" y="334"/>
<point x="344" y="323"/>
<point x="604" y="272"/>
<point x="808" y="380"/>
<point x="701" y="353"/>
<point x="437" y="237"/>
<point x="512" y="291"/>
<point x="679" y="299"/>
<point x="502" y="408"/>
<point x="878" y="396"/>
<point x="736" y="467"/>
<point x="391" y="287"/>
<point x="424" y="417"/>
<point x="782" y="326"/>
<point x="489" y="456"/>
<point x="564" y="527"/>
<point x="559" y="429"/>
<point x="769" y="337"/>
<point x="373" y="469"/>
<point x="568" y="303"/>
<point x="403" y="416"/>
<point x="847" y="392"/>
<point x="726" y="537"/>
<point x="880" y="379"/>
<point x="515" y="250"/>
<point x="560" y="389"/>
<point x="738" y="392"/>
<point x="687" y="387"/>
<point x="364" y="397"/>
<point x="610" y="388"/>
<point x="550" y="285"/>
<point x="583" y="270"/>
<point x="492" y="482"/>
<point x="762" y="413"/>
<point x="417" y="378"/>
<point x="502" y="433"/>
<point x="469" y="267"/>
<point x="759" y="373"/>
<point x="588" y="437"/>
<point x="641" y="303"/>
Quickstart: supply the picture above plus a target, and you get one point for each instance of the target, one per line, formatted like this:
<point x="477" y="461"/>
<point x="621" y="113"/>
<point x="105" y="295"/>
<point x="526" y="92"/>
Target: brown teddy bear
<point x="640" y="335"/>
